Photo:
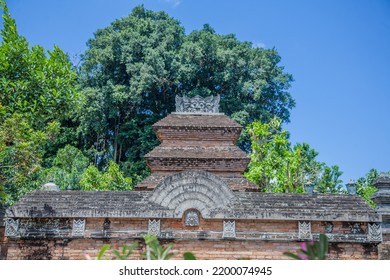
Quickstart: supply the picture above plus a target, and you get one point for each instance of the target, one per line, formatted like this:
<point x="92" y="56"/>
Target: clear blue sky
<point x="337" y="50"/>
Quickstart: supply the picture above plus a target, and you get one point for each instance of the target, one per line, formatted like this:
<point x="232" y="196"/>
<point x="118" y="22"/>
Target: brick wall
<point x="384" y="251"/>
<point x="3" y="245"/>
<point x="203" y="249"/>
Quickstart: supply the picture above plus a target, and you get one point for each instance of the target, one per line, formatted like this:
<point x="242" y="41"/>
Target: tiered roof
<point x="198" y="141"/>
<point x="243" y="205"/>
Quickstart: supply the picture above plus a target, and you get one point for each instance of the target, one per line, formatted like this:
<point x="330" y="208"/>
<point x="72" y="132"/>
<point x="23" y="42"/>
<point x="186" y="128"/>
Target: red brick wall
<point x="3" y="245"/>
<point x="203" y="249"/>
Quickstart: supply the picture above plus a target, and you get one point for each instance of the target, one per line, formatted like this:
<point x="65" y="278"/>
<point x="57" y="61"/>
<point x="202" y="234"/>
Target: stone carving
<point x="78" y="227"/>
<point x="191" y="218"/>
<point x="356" y="229"/>
<point x="374" y="232"/>
<point x="197" y="104"/>
<point x="106" y="224"/>
<point x="106" y="227"/>
<point x="329" y="227"/>
<point x="11" y="227"/>
<point x="154" y="227"/>
<point x="198" y="190"/>
<point x="229" y="229"/>
<point x="304" y="230"/>
<point x="31" y="226"/>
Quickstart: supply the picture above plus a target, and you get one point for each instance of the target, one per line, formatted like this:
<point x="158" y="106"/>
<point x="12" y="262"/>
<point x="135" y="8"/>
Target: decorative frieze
<point x="12" y="227"/>
<point x="304" y="230"/>
<point x="229" y="229"/>
<point x="191" y="218"/>
<point x="40" y="227"/>
<point x="197" y="104"/>
<point x="374" y="232"/>
<point x="154" y="227"/>
<point x="78" y="228"/>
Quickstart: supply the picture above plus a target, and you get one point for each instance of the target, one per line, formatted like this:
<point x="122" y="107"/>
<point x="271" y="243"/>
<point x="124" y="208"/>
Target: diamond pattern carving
<point x="11" y="227"/>
<point x="374" y="232"/>
<point x="154" y="227"/>
<point x="229" y="229"/>
<point x="78" y="227"/>
<point x="304" y="230"/>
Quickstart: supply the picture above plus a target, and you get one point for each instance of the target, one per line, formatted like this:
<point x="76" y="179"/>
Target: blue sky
<point x="337" y="50"/>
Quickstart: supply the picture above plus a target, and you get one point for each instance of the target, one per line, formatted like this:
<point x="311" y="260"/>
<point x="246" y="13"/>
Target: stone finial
<point x="382" y="196"/>
<point x="382" y="182"/>
<point x="50" y="186"/>
<point x="351" y="187"/>
<point x="382" y="199"/>
<point x="197" y="104"/>
<point x="309" y="187"/>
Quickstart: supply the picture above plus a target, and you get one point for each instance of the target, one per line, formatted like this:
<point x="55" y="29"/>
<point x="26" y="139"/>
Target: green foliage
<point x="269" y="148"/>
<point x="67" y="168"/>
<point x="125" y="252"/>
<point x="365" y="186"/>
<point x="92" y="180"/>
<point x="21" y="152"/>
<point x="41" y="88"/>
<point x="154" y="250"/>
<point x="38" y="97"/>
<point x="329" y="181"/>
<point x="312" y="250"/>
<point x="101" y="253"/>
<point x="275" y="166"/>
<point x="189" y="256"/>
<point x="112" y="179"/>
<point x="133" y="69"/>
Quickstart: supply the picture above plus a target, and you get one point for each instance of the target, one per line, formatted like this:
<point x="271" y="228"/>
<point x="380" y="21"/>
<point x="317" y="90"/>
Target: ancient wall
<point x="256" y="239"/>
<point x="203" y="249"/>
<point x="3" y="244"/>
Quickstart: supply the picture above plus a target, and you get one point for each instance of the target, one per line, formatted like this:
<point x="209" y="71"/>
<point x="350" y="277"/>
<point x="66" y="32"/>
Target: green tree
<point x="276" y="166"/>
<point x="38" y="97"/>
<point x="92" y="180"/>
<point x="21" y="154"/>
<point x="269" y="147"/>
<point x="365" y="186"/>
<point x="329" y="180"/>
<point x="67" y="168"/>
<point x="41" y="88"/>
<point x="112" y="179"/>
<point x="133" y="69"/>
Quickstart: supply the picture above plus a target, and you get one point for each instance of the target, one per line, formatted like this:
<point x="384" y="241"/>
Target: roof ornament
<point x="197" y="104"/>
<point x="50" y="186"/>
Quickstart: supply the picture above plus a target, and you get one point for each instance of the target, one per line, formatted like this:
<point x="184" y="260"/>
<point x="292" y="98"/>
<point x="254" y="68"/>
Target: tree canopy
<point x="133" y="69"/>
<point x="39" y="106"/>
<point x="277" y="166"/>
<point x="38" y="94"/>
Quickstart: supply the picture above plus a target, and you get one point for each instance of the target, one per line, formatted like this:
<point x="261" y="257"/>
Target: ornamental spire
<point x="197" y="104"/>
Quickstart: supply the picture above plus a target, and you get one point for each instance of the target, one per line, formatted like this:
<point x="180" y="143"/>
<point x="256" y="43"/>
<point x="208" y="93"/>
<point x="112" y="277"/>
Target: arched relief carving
<point x="191" y="218"/>
<point x="198" y="190"/>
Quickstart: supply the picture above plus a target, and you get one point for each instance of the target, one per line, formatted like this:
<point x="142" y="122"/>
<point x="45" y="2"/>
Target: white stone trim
<point x="12" y="227"/>
<point x="229" y="229"/>
<point x="304" y="230"/>
<point x="374" y="232"/>
<point x="78" y="228"/>
<point x="154" y="227"/>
